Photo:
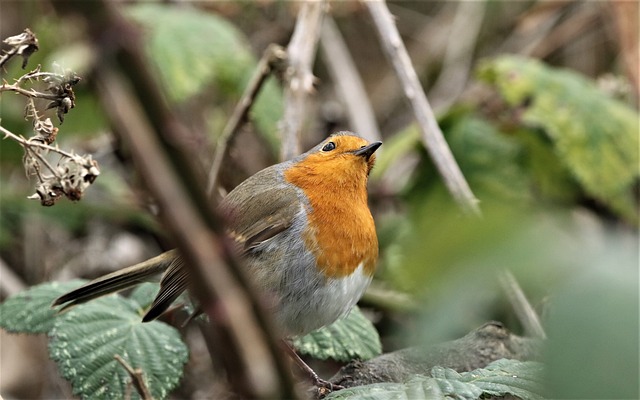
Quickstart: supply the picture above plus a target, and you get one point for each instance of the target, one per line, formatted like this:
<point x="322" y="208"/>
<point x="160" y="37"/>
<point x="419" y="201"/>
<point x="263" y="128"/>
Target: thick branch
<point x="478" y="348"/>
<point x="137" y="110"/>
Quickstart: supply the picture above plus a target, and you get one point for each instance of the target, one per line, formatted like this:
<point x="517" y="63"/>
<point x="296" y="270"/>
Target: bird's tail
<point x="116" y="281"/>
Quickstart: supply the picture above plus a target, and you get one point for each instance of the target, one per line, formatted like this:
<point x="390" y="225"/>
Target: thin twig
<point x="10" y="283"/>
<point x="458" y="58"/>
<point x="523" y="309"/>
<point x="28" y="92"/>
<point x="431" y="134"/>
<point x="347" y="81"/>
<point x="137" y="378"/>
<point x="300" y="54"/>
<point x="273" y="55"/>
<point x="37" y="75"/>
<point x="44" y="161"/>
<point x="31" y="143"/>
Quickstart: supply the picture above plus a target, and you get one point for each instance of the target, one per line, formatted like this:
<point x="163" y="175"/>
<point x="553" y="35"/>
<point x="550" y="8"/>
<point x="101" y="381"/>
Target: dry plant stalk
<point x="73" y="173"/>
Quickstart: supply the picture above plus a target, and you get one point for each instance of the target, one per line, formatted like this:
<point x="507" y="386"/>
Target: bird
<point x="303" y="229"/>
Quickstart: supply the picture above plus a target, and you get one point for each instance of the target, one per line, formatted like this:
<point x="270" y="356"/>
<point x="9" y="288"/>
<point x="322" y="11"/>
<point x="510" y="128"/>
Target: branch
<point x="137" y="110"/>
<point x="300" y="55"/>
<point x="458" y="58"/>
<point x="477" y="349"/>
<point x="271" y="59"/>
<point x="347" y="81"/>
<point x="432" y="136"/>
<point x="137" y="378"/>
<point x="523" y="309"/>
<point x="27" y="92"/>
<point x="33" y="143"/>
<point x="10" y="283"/>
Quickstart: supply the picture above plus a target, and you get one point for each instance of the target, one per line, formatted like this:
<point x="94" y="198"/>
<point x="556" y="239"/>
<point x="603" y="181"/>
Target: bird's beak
<point x="367" y="151"/>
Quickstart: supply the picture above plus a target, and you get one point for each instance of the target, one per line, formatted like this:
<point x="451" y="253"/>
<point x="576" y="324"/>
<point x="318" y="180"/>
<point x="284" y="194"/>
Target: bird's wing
<point x="259" y="209"/>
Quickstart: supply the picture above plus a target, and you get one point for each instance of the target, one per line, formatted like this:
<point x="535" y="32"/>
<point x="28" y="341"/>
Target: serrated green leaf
<point x="84" y="341"/>
<point x="519" y="378"/>
<point x="193" y="49"/>
<point x="353" y="337"/>
<point x="418" y="388"/>
<point x="594" y="136"/>
<point x="30" y="311"/>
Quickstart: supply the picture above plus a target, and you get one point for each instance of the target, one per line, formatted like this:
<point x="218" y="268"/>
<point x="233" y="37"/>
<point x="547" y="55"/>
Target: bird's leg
<point x="317" y="381"/>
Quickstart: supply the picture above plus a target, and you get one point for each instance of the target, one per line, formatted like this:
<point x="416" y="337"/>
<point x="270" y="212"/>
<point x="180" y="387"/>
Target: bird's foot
<point x="324" y="387"/>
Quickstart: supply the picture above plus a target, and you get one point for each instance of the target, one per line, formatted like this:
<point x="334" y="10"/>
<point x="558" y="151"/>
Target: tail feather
<point x="174" y="281"/>
<point x="117" y="281"/>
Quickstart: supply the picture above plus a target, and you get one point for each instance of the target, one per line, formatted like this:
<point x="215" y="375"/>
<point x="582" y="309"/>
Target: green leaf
<point x="594" y="136"/>
<point x="488" y="159"/>
<point x="353" y="337"/>
<point x="30" y="311"/>
<point x="144" y="294"/>
<point x="417" y="388"/>
<point x="601" y="302"/>
<point x="84" y="341"/>
<point x="193" y="49"/>
<point x="518" y="378"/>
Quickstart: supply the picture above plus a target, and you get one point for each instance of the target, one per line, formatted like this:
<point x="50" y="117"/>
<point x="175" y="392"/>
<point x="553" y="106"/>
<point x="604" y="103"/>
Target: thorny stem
<point x="31" y="93"/>
<point x="37" y="155"/>
<point x="36" y="75"/>
<point x="28" y="143"/>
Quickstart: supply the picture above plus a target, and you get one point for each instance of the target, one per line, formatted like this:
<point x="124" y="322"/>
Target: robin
<point x="305" y="233"/>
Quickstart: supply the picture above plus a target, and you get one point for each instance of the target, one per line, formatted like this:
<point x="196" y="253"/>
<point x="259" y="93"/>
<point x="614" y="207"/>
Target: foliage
<point x="193" y="50"/>
<point x="350" y="338"/>
<point x="519" y="378"/>
<point x="85" y="339"/>
<point x="30" y="311"/>
<point x="594" y="137"/>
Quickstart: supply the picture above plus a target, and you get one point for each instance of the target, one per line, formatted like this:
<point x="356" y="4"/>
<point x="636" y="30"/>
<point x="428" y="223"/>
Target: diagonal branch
<point x="138" y="111"/>
<point x="432" y="136"/>
<point x="347" y="81"/>
<point x="272" y="57"/>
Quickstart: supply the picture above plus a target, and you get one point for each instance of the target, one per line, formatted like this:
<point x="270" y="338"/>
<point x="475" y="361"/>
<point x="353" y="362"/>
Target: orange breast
<point x="341" y="231"/>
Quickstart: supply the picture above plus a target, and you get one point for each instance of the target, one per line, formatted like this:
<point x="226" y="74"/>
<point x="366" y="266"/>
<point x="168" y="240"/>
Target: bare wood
<point x="458" y="58"/>
<point x="300" y="54"/>
<point x="247" y="347"/>
<point x="488" y="343"/>
<point x="137" y="378"/>
<point x="523" y="309"/>
<point x="10" y="283"/>
<point x="431" y="134"/>
<point x="347" y="81"/>
<point x="272" y="56"/>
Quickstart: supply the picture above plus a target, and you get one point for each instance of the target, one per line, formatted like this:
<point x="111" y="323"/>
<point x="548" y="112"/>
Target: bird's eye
<point x="329" y="146"/>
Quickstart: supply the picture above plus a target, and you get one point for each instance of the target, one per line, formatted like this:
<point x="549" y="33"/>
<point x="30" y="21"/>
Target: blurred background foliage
<point x="541" y="116"/>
